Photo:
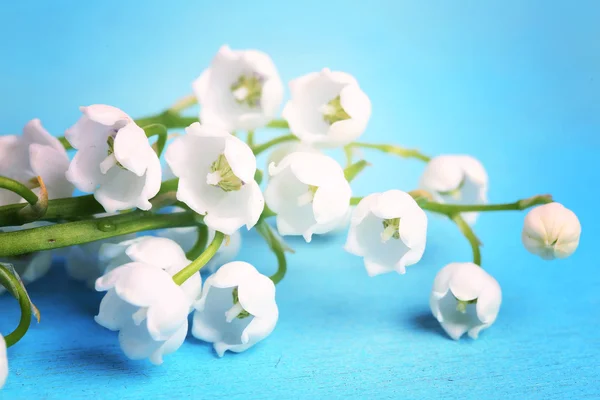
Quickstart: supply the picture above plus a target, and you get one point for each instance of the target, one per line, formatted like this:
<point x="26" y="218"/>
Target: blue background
<point x="513" y="83"/>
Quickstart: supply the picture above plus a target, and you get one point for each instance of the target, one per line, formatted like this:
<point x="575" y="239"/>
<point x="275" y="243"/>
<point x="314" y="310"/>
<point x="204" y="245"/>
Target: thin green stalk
<point x="201" y="261"/>
<point x="273" y="142"/>
<point x="63" y="140"/>
<point x="519" y="205"/>
<point x="18" y="188"/>
<point x="277" y="246"/>
<point x="393" y="149"/>
<point x="352" y="171"/>
<point x="167" y="118"/>
<point x="72" y="233"/>
<point x="348" y="154"/>
<point x="250" y="138"/>
<point x="183" y="103"/>
<point x="10" y="282"/>
<point x="169" y="185"/>
<point x="200" y="244"/>
<point x="470" y="235"/>
<point x="355" y="200"/>
<point x="160" y="131"/>
<point x="278" y="124"/>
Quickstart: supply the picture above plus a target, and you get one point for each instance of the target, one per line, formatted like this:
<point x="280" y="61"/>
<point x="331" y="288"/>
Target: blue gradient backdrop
<point x="514" y="83"/>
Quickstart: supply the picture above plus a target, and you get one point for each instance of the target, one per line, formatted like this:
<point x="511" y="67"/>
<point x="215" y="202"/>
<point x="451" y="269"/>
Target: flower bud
<point x="551" y="231"/>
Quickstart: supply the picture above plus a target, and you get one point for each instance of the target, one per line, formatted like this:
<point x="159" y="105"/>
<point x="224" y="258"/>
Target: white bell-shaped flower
<point x="465" y="299"/>
<point x="327" y="109"/>
<point x="237" y="308"/>
<point x="188" y="236"/>
<point x="35" y="153"/>
<point x="285" y="149"/>
<point x="309" y="193"/>
<point x="551" y="231"/>
<point x="3" y="362"/>
<point x="240" y="90"/>
<point x="143" y="302"/>
<point x="456" y="179"/>
<point x="85" y="263"/>
<point x="114" y="159"/>
<point x="216" y="177"/>
<point x="389" y="231"/>
<point x="32" y="266"/>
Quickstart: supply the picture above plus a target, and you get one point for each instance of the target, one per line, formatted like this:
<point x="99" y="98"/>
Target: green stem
<point x="167" y="118"/>
<point x="277" y="247"/>
<point x="183" y="103"/>
<point x="200" y="244"/>
<point x="355" y="200"/>
<point x="267" y="212"/>
<point x="201" y="261"/>
<point x="24" y="303"/>
<point x="450" y="209"/>
<point x="160" y="131"/>
<point x="351" y="171"/>
<point x="467" y="231"/>
<point x="273" y="142"/>
<point x="250" y="138"/>
<point x="278" y="124"/>
<point x="72" y="233"/>
<point x="18" y="188"/>
<point x="392" y="149"/>
<point x="348" y="154"/>
<point x="63" y="140"/>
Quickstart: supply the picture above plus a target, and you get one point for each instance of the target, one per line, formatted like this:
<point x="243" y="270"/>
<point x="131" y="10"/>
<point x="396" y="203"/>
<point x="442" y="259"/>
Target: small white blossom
<point x="240" y="90"/>
<point x="187" y="237"/>
<point x="551" y="231"/>
<point x="3" y="362"/>
<point x="309" y="193"/>
<point x="237" y="308"/>
<point x="143" y="302"/>
<point x="327" y="109"/>
<point x="465" y="299"/>
<point x="456" y="179"/>
<point x="285" y="149"/>
<point x="35" y="153"/>
<point x="32" y="266"/>
<point x="216" y="177"/>
<point x="389" y="231"/>
<point x="114" y="159"/>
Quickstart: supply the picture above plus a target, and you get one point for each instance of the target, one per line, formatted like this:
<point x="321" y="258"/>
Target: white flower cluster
<point x="307" y="191"/>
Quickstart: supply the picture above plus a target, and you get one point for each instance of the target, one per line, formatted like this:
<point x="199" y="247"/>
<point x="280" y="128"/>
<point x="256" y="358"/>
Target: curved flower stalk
<point x="32" y="266"/>
<point x="327" y="109"/>
<point x="551" y="231"/>
<point x="237" y="308"/>
<point x="465" y="299"/>
<point x="3" y="362"/>
<point x="389" y="231"/>
<point x="216" y="177"/>
<point x="34" y="153"/>
<point x="309" y="193"/>
<point x="114" y="159"/>
<point x="456" y="179"/>
<point x="240" y="90"/>
<point x="188" y="237"/>
<point x="143" y="302"/>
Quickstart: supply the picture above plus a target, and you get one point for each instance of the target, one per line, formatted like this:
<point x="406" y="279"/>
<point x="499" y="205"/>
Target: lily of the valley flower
<point x="240" y="90"/>
<point x="187" y="237"/>
<point x="465" y="299"/>
<point x="327" y="109"/>
<point x="32" y="266"/>
<point x="3" y="362"/>
<point x="114" y="159"/>
<point x="35" y="153"/>
<point x="456" y="179"/>
<point x="309" y="193"/>
<point x="389" y="231"/>
<point x="143" y="302"/>
<point x="237" y="308"/>
<point x="216" y="177"/>
<point x="287" y="148"/>
<point x="551" y="231"/>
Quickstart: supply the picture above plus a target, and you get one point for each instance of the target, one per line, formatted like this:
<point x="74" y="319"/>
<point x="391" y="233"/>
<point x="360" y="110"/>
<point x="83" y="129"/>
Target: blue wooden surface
<point x="513" y="84"/>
